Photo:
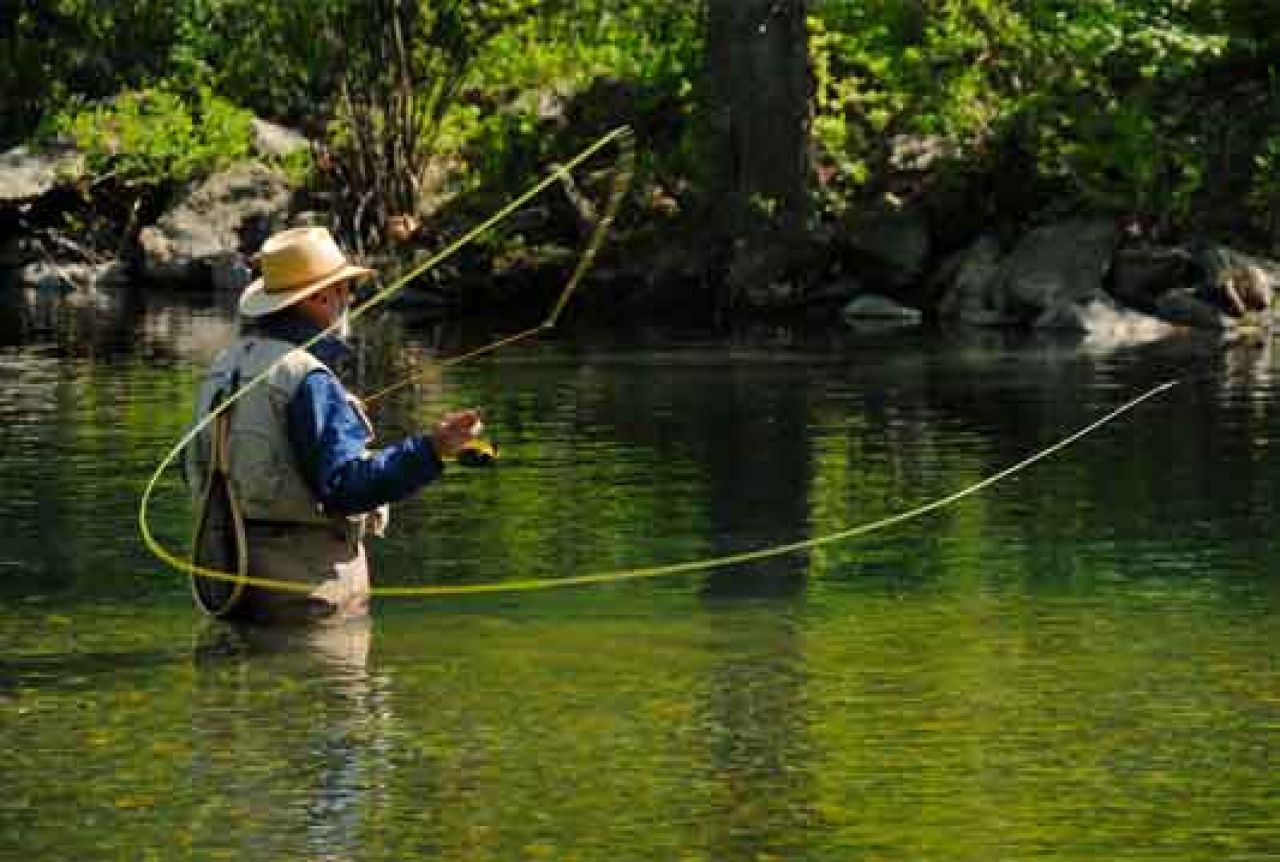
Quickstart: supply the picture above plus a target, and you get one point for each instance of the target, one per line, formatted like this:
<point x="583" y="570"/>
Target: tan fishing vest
<point x="264" y="471"/>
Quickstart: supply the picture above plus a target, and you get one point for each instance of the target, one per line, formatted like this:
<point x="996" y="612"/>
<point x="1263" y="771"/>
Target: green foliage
<point x="1264" y="190"/>
<point x="52" y="51"/>
<point x="1100" y="94"/>
<point x="403" y="66"/>
<point x="298" y="167"/>
<point x="568" y="44"/>
<point x="156" y="134"/>
<point x="542" y="61"/>
<point x="1100" y="103"/>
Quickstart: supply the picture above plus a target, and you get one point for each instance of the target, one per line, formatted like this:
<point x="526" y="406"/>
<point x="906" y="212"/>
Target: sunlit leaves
<point x="158" y="134"/>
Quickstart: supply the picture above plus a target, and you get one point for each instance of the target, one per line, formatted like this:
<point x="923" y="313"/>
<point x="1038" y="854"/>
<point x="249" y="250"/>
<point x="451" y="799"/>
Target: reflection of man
<point x="285" y="712"/>
<point x="294" y="448"/>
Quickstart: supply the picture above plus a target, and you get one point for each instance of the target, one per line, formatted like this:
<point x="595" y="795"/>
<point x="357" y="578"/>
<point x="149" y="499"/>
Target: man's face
<point x="327" y="306"/>
<point x="340" y="299"/>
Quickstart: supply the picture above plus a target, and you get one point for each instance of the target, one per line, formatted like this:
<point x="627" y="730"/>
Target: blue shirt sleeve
<point x="330" y="441"/>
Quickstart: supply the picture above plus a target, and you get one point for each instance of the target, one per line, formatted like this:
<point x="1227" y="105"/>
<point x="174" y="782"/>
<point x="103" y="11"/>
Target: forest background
<point x="771" y="133"/>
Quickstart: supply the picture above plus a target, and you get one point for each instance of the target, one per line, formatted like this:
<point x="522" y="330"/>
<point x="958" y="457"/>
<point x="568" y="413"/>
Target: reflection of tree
<point x="270" y="703"/>
<point x="757" y="462"/>
<point x="761" y="791"/>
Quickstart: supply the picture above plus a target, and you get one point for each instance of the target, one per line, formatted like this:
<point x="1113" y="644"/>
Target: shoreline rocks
<point x="210" y="232"/>
<point x="1081" y="276"/>
<point x="27" y="174"/>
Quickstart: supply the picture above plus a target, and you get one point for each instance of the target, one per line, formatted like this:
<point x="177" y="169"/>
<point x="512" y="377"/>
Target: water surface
<point x="1082" y="662"/>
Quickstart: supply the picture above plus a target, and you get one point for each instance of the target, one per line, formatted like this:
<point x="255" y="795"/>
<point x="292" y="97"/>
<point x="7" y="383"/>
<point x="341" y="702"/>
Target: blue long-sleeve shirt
<point x="329" y="437"/>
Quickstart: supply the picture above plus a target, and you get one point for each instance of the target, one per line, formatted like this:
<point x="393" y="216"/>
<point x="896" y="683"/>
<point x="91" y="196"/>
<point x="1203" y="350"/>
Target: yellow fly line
<point x="623" y="139"/>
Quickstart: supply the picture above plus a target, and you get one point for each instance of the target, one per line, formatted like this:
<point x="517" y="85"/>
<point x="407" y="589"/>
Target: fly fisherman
<point x="287" y="484"/>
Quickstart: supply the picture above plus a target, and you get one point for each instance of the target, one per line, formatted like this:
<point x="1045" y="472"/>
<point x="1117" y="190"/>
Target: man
<point x="295" y="447"/>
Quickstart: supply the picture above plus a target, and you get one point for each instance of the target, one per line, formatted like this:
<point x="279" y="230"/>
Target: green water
<point x="1081" y="663"/>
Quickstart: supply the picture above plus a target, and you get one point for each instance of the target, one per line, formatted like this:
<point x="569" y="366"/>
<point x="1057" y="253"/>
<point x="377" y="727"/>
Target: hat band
<point x="308" y="278"/>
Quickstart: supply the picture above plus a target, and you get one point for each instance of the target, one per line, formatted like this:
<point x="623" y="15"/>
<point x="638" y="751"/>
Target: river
<point x="1081" y="662"/>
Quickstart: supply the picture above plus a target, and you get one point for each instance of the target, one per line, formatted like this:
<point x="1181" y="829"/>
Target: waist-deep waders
<point x="219" y="542"/>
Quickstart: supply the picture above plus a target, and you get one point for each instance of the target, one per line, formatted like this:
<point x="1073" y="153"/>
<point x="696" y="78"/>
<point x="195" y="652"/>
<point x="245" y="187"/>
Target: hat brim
<point x="257" y="301"/>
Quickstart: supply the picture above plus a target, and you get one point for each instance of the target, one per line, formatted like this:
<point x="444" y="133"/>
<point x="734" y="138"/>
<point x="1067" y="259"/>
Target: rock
<point x="873" y="307"/>
<point x="48" y="275"/>
<point x="1103" y="323"/>
<point x="1052" y="270"/>
<point x="275" y="142"/>
<point x="973" y="296"/>
<point x="224" y="217"/>
<point x="1139" y="276"/>
<point x="1207" y="287"/>
<point x="1183" y="306"/>
<point x="1064" y="263"/>
<point x="1237" y="283"/>
<point x="228" y="272"/>
<point x="836" y="291"/>
<point x="26" y="175"/>
<point x="896" y="240"/>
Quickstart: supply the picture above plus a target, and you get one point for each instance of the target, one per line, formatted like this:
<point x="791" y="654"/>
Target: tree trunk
<point x="759" y="106"/>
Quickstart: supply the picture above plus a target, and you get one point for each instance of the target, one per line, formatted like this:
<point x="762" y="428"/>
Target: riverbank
<point x="900" y="258"/>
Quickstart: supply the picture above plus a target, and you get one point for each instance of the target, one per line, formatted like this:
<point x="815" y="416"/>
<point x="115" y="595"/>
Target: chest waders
<point x="219" y="541"/>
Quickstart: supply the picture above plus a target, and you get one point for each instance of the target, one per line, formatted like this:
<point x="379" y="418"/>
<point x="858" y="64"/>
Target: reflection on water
<point x="1080" y="663"/>
<point x="282" y="702"/>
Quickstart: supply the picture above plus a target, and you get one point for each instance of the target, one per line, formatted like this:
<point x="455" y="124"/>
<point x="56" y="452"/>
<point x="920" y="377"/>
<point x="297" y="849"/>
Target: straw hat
<point x="295" y="264"/>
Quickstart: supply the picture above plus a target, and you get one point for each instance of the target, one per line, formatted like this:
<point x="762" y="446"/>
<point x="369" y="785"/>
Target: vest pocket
<point x="259" y="474"/>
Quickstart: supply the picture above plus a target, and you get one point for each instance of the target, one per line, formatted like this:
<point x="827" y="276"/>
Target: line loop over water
<point x="623" y="139"/>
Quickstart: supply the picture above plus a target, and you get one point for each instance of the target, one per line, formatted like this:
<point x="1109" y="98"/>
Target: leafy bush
<point x="1264" y="192"/>
<point x="157" y="133"/>
<point x="1099" y="93"/>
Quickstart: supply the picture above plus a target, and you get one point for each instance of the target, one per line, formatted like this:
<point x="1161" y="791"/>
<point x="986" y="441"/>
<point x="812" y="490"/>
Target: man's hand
<point x="454" y="431"/>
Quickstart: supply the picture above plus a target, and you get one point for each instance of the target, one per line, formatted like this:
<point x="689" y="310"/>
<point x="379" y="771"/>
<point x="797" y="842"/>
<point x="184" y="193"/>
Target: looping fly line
<point x="622" y="138"/>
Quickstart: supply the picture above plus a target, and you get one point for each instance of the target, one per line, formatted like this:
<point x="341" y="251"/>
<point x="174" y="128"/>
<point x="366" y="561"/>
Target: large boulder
<point x="1187" y="307"/>
<point x="205" y="238"/>
<point x="1053" y="281"/>
<point x="1242" y="285"/>
<point x="1064" y="263"/>
<point x="1103" y="324"/>
<point x="1203" y="286"/>
<point x="1059" y="265"/>
<point x="1140" y="276"/>
<point x="27" y="174"/>
<point x="895" y="243"/>
<point x="973" y="296"/>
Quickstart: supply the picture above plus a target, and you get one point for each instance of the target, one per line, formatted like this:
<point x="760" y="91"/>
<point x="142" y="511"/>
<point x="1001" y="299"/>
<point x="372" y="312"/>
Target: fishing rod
<point x="622" y="175"/>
